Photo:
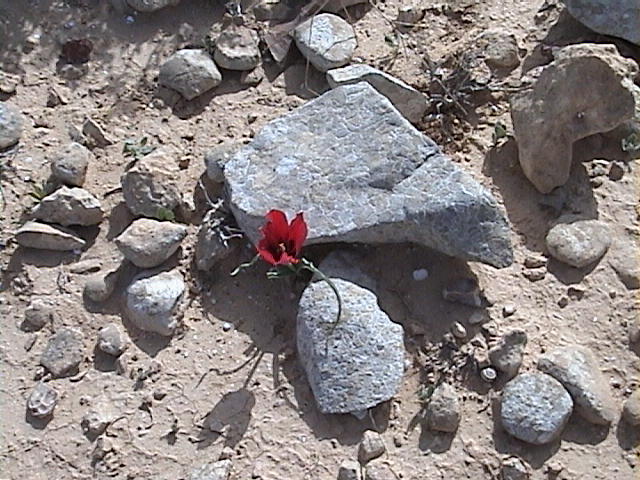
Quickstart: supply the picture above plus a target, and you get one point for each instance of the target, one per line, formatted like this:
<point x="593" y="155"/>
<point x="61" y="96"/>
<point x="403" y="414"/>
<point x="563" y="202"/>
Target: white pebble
<point x="420" y="274"/>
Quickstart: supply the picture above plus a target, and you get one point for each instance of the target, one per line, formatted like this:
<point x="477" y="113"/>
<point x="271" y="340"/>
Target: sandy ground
<point x="255" y="389"/>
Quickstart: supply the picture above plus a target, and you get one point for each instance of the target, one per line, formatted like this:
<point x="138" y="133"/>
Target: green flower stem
<point x="242" y="266"/>
<point x="313" y="269"/>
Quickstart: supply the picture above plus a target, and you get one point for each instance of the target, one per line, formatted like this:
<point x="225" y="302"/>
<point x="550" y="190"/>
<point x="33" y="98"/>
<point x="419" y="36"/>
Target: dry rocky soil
<point x="224" y="394"/>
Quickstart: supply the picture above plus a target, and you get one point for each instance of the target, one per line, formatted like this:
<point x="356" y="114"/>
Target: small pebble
<point x="508" y="310"/>
<point x="458" y="330"/>
<point x="420" y="274"/>
<point x="42" y="401"/>
<point x="488" y="374"/>
<point x="563" y="301"/>
<point x="535" y="275"/>
<point x="226" y="326"/>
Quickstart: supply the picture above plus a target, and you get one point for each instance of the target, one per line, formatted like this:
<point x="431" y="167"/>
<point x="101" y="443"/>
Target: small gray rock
<point x="48" y="237"/>
<point x="99" y="287"/>
<point x="631" y="409"/>
<point x="96" y="420"/>
<point x="577" y="369"/>
<point x="354" y="364"/>
<point x="148" y="243"/>
<point x="64" y="352"/>
<point x="70" y="166"/>
<point x="535" y="408"/>
<point x="514" y="469"/>
<point x="371" y="447"/>
<point x="150" y="185"/>
<point x="443" y="411"/>
<point x="111" y="340"/>
<point x="619" y="18"/>
<point x="502" y="50"/>
<point x="39" y="313"/>
<point x="215" y="159"/>
<point x="219" y="470"/>
<point x="70" y="206"/>
<point x="237" y="49"/>
<point x="10" y="125"/>
<point x="265" y="10"/>
<point x="624" y="259"/>
<point x="151" y="5"/>
<point x="326" y="40"/>
<point x="153" y="301"/>
<point x="349" y="470"/>
<point x="95" y="134"/>
<point x="252" y="77"/>
<point x="42" y="401"/>
<point x="190" y="72"/>
<point x="211" y="249"/>
<point x="379" y="471"/>
<point x="579" y="243"/>
<point x="409" y="102"/>
<point x="506" y="356"/>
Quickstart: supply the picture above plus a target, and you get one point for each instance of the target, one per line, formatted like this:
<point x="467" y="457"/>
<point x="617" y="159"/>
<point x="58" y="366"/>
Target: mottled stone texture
<point x="365" y="176"/>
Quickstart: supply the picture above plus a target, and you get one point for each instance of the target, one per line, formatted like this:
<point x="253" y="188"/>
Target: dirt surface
<point x="254" y="399"/>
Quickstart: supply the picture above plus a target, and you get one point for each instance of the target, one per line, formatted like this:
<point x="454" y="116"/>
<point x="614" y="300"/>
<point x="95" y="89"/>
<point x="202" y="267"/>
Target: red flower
<point x="281" y="242"/>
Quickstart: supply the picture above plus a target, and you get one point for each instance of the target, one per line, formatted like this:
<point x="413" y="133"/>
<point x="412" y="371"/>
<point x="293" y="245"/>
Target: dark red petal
<point x="276" y="230"/>
<point x="286" y="259"/>
<point x="265" y="254"/>
<point x="298" y="233"/>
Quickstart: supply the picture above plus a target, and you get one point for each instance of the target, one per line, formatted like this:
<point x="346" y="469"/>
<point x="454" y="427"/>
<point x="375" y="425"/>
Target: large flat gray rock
<point x="362" y="173"/>
<point x="354" y="364"/>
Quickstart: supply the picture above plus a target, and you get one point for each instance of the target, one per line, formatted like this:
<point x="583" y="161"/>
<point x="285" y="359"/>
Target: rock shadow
<point x="628" y="436"/>
<point x="534" y="455"/>
<point x="435" y="442"/>
<point x="39" y="423"/>
<point x="120" y="218"/>
<point x="567" y="274"/>
<point x="582" y="432"/>
<point x="229" y="419"/>
<point x="531" y="212"/>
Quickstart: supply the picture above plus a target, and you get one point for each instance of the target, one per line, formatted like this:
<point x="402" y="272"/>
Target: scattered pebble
<point x="514" y="469"/>
<point x="219" y="470"/>
<point x="190" y="72"/>
<point x="535" y="261"/>
<point x="458" y="330"/>
<point x="580" y="243"/>
<point x="42" y="401"/>
<point x="535" y="408"/>
<point x="70" y="206"/>
<point x="501" y="51"/>
<point x="48" y="237"/>
<point x="326" y="40"/>
<point x="371" y="447"/>
<point x="64" y="352"/>
<point x="148" y="243"/>
<point x="625" y="261"/>
<point x="95" y="134"/>
<point x="535" y="275"/>
<point x="96" y="421"/>
<point x="508" y="309"/>
<point x="443" y="410"/>
<point x="488" y="374"/>
<point x="70" y="166"/>
<point x="98" y="288"/>
<point x="226" y="326"/>
<point x="506" y="356"/>
<point x="237" y="49"/>
<point x="576" y="368"/>
<point x="11" y="122"/>
<point x="420" y="274"/>
<point x="39" y="314"/>
<point x="349" y="470"/>
<point x="379" y="471"/>
<point x="111" y="340"/>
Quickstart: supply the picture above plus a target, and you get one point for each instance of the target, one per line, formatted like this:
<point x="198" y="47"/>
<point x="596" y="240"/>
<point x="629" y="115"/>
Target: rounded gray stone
<point x="326" y="40"/>
<point x="42" y="401"/>
<point x="70" y="206"/>
<point x="506" y="356"/>
<point x="39" y="313"/>
<point x="150" y="185"/>
<point x="237" y="49"/>
<point x="63" y="352"/>
<point x="370" y="447"/>
<point x="11" y="122"/>
<point x="535" y="408"/>
<point x="111" y="340"/>
<point x="577" y="369"/>
<point x="443" y="411"/>
<point x="153" y="301"/>
<point x="148" y="243"/>
<point x="191" y="72"/>
<point x="70" y="166"/>
<point x="354" y="364"/>
<point x="580" y="243"/>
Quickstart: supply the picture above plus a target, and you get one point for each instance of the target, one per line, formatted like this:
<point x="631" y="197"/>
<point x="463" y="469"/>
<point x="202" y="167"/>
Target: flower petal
<point x="265" y="254"/>
<point x="276" y="230"/>
<point x="298" y="233"/>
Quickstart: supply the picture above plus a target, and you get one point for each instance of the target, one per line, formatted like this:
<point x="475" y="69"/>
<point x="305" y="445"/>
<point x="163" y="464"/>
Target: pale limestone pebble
<point x="507" y="355"/>
<point x="579" y="243"/>
<point x="42" y="400"/>
<point x="70" y="165"/>
<point x="111" y="340"/>
<point x="237" y="49"/>
<point x="39" y="313"/>
<point x="70" y="206"/>
<point x="148" y="243"/>
<point x="64" y="352"/>
<point x="190" y="72"/>
<point x="371" y="446"/>
<point x="11" y="123"/>
<point x="48" y="237"/>
<point x="443" y="410"/>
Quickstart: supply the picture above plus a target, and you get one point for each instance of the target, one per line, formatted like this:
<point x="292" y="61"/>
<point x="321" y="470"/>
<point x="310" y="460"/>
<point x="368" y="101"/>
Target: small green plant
<point x="39" y="191"/>
<point x="499" y="132"/>
<point x="165" y="215"/>
<point x="137" y="148"/>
